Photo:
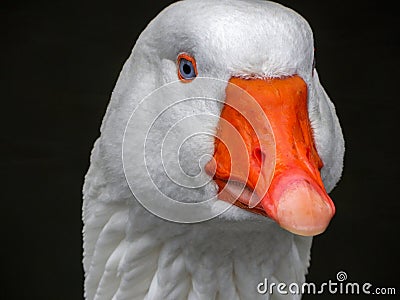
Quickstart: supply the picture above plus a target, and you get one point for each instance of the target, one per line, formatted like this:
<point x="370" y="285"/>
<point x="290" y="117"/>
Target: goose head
<point x="221" y="101"/>
<point x="255" y="61"/>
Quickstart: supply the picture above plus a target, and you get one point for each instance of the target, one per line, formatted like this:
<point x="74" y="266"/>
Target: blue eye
<point x="187" y="70"/>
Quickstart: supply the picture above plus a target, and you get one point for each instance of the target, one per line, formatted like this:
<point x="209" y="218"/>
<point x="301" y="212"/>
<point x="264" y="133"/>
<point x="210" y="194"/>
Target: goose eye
<point x="187" y="70"/>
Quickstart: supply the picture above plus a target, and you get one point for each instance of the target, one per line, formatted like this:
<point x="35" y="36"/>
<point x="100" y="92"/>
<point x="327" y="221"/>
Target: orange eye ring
<point x="186" y="67"/>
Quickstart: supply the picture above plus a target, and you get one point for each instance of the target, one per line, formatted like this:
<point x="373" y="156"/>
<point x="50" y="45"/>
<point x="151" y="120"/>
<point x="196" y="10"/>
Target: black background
<point x="59" y="64"/>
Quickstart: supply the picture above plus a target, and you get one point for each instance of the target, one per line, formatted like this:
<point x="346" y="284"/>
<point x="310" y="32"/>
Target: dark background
<point x="59" y="64"/>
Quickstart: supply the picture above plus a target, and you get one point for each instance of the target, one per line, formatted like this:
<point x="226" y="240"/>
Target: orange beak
<point x="271" y="168"/>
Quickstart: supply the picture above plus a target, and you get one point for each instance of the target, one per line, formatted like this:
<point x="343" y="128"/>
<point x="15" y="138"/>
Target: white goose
<point x="266" y="50"/>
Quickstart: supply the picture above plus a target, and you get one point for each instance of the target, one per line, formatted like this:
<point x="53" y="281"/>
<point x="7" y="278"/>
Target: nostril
<point x="258" y="155"/>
